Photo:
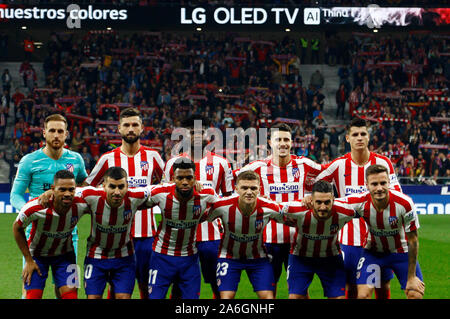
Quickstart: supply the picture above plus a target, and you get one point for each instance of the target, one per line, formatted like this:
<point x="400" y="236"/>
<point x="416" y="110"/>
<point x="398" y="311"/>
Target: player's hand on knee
<point x="415" y="284"/>
<point x="45" y="198"/>
<point x="28" y="270"/>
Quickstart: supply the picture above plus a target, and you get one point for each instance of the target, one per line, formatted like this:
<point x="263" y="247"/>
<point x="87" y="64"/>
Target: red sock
<point x="72" y="294"/>
<point x="34" y="293"/>
<point x="110" y="294"/>
<point x="143" y="296"/>
<point x="377" y="294"/>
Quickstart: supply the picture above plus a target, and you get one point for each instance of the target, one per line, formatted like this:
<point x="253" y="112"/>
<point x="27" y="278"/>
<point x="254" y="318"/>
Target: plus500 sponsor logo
<point x="137" y="182"/>
<point x="432" y="208"/>
<point x="350" y="190"/>
<point x="284" y="188"/>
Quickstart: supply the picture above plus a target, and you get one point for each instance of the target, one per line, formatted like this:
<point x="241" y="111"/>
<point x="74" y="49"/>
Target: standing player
<point x="316" y="249"/>
<point x="37" y="170"/>
<point x="212" y="171"/>
<point x="244" y="217"/>
<point x="175" y="257"/>
<point x="284" y="177"/>
<point x="144" y="166"/>
<point x="347" y="175"/>
<point x="393" y="242"/>
<point x="50" y="242"/>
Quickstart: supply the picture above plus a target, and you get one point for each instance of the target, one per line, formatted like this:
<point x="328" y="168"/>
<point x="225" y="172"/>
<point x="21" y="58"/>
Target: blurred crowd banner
<point x="220" y="18"/>
<point x="429" y="200"/>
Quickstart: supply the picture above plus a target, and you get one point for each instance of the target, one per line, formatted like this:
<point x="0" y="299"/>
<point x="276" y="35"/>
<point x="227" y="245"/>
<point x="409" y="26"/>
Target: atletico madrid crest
<point x="69" y="167"/>
<point x="259" y="225"/>
<point x="296" y="172"/>
<point x="393" y="221"/>
<point x="334" y="228"/>
<point x="127" y="215"/>
<point x="197" y="209"/>
<point x="144" y="165"/>
<point x="209" y="169"/>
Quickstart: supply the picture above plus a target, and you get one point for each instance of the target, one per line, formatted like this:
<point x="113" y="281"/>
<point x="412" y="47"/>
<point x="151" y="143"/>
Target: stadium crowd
<point x="401" y="87"/>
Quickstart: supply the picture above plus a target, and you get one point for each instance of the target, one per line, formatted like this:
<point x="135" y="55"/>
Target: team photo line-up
<point x="347" y="221"/>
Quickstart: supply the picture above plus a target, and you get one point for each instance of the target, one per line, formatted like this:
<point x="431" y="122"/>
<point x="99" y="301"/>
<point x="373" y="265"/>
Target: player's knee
<point x="364" y="293"/>
<point x="412" y="294"/>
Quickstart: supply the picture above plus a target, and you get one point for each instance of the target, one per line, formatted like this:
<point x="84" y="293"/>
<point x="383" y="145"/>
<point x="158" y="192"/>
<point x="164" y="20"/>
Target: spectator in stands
<point x="317" y="80"/>
<point x="6" y="80"/>
<point x="341" y="99"/>
<point x="88" y="159"/>
<point x="4" y="169"/>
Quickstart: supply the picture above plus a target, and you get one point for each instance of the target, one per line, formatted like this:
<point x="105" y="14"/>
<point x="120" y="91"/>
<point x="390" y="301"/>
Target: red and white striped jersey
<point x="315" y="237"/>
<point x="349" y="178"/>
<point x="110" y="235"/>
<point x="51" y="232"/>
<point x="284" y="184"/>
<point x="176" y="235"/>
<point x="143" y="169"/>
<point x="243" y="235"/>
<point x="212" y="171"/>
<point x="387" y="228"/>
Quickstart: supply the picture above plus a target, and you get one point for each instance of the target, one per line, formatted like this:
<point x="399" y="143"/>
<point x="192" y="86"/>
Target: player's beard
<point x="52" y="145"/>
<point x="185" y="193"/>
<point x="130" y="139"/>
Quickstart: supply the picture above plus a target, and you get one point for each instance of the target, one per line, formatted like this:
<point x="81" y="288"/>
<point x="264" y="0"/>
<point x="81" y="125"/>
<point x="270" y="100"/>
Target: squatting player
<point x="144" y="167"/>
<point x="50" y="241"/>
<point x="244" y="217"/>
<point x="110" y="252"/>
<point x="37" y="169"/>
<point x="213" y="171"/>
<point x="316" y="248"/>
<point x="393" y="241"/>
<point x="175" y="257"/>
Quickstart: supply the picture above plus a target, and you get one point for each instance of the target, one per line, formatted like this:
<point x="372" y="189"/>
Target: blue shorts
<point x="64" y="271"/>
<point x="143" y="252"/>
<point x="166" y="270"/>
<point x="207" y="253"/>
<point x="352" y="256"/>
<point x="330" y="271"/>
<point x="259" y="271"/>
<point x="279" y="256"/>
<point x="119" y="272"/>
<point x="372" y="264"/>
